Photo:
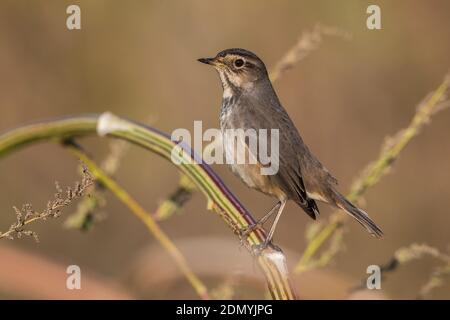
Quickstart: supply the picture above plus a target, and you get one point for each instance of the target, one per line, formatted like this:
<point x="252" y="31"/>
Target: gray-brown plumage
<point x="250" y="102"/>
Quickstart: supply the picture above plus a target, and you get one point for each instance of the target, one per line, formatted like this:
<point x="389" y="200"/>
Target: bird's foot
<point x="245" y="232"/>
<point x="257" y="249"/>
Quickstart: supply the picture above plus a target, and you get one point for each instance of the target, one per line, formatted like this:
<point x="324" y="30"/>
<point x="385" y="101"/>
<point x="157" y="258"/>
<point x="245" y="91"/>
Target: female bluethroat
<point x="250" y="102"/>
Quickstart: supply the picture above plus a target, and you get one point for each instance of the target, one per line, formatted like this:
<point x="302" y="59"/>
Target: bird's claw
<point x="245" y="232"/>
<point x="257" y="249"/>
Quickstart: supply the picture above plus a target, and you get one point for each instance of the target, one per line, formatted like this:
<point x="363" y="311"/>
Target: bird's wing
<point x="289" y="176"/>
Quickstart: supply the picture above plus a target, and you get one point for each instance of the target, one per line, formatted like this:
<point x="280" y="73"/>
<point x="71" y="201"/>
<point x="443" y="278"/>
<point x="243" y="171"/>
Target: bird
<point x="249" y="102"/>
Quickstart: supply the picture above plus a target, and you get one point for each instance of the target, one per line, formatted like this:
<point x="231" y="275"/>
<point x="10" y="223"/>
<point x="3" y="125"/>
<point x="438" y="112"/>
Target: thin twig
<point x="418" y="251"/>
<point x="437" y="279"/>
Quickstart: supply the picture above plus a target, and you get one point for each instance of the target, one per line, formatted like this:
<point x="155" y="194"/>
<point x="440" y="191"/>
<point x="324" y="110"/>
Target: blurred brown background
<point x="138" y="59"/>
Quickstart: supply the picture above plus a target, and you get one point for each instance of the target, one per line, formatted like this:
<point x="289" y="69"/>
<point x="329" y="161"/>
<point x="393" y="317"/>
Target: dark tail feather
<point x="360" y="216"/>
<point x="310" y="207"/>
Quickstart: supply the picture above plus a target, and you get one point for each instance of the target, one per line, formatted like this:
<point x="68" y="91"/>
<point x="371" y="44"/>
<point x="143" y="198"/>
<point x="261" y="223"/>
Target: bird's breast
<point x="242" y="159"/>
<point x="226" y="110"/>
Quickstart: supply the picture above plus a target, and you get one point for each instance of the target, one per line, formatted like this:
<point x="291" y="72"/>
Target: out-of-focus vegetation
<point x="139" y="60"/>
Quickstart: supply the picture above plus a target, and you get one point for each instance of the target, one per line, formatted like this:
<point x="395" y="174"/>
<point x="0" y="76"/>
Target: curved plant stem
<point x="220" y="199"/>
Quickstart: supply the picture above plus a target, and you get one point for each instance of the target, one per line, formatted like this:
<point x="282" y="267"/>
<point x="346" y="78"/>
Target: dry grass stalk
<point x="308" y="42"/>
<point x="414" y="252"/>
<point x="62" y="199"/>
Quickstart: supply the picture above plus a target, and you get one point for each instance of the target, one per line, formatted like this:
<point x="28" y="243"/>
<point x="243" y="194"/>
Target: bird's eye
<point x="238" y="63"/>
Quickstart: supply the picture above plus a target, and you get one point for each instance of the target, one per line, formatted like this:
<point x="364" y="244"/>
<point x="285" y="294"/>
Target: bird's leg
<point x="274" y="224"/>
<point x="250" y="228"/>
<point x="266" y="242"/>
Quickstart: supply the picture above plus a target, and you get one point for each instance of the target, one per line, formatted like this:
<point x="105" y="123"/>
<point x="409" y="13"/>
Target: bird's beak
<point x="210" y="61"/>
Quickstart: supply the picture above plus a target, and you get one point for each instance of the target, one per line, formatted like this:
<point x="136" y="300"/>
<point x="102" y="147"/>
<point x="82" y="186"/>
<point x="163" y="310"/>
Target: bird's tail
<point x="361" y="216"/>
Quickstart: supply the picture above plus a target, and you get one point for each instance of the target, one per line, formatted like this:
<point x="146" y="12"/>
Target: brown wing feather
<point x="289" y="177"/>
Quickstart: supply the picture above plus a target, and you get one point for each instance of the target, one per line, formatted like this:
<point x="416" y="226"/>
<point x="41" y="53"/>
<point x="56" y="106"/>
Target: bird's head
<point x="238" y="68"/>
